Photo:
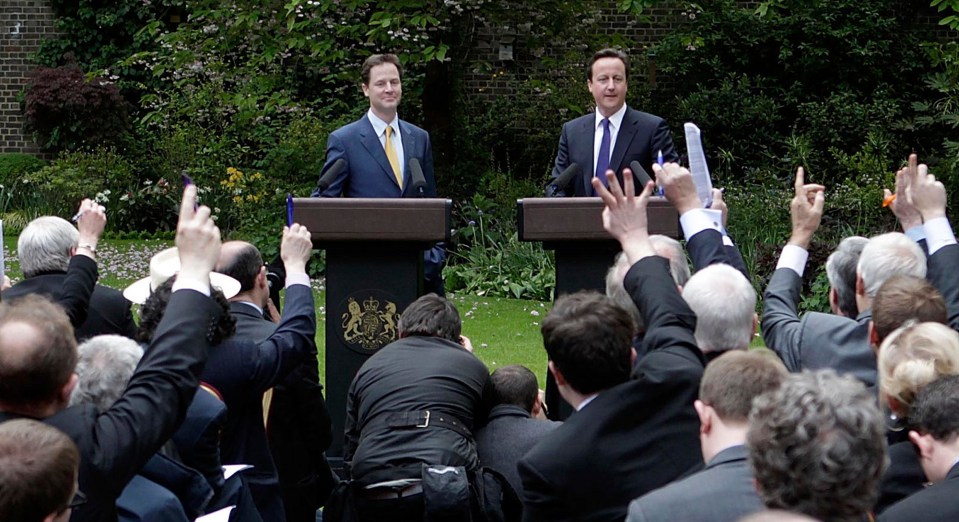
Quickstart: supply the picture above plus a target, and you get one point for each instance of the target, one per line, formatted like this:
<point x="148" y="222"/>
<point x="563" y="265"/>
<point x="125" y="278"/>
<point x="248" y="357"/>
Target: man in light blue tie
<point x="614" y="135"/>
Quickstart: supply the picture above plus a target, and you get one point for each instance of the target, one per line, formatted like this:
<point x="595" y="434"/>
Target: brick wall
<point x="23" y="23"/>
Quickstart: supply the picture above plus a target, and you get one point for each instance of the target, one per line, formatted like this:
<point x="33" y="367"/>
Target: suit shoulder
<point x="351" y="128"/>
<point x="645" y="117"/>
<point x="414" y="128"/>
<point x="586" y="118"/>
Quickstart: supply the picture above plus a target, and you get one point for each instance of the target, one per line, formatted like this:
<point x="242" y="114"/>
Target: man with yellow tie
<point x="377" y="151"/>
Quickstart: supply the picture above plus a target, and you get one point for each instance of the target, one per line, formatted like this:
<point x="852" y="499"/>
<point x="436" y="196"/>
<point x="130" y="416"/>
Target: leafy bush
<point x="14" y="166"/>
<point x="102" y="174"/>
<point x="65" y="110"/>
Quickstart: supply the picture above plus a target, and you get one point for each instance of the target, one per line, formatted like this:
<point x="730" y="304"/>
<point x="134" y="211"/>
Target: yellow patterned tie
<point x="391" y="155"/>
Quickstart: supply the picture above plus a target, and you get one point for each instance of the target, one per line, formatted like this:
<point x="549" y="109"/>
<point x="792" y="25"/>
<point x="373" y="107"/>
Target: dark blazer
<point x="724" y="491"/>
<point x="241" y="371"/>
<point x="411" y="375"/>
<point x="816" y="340"/>
<point x="368" y="173"/>
<point x="299" y="429"/>
<point x="902" y="478"/>
<point x="115" y="444"/>
<point x="634" y="437"/>
<point x="507" y="436"/>
<point x="943" y="275"/>
<point x="109" y="311"/>
<point x="937" y="503"/>
<point x="707" y="248"/>
<point x="640" y="139"/>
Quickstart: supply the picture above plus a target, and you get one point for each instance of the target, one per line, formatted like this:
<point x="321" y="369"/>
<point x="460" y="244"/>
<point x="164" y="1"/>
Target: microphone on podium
<point x="559" y="184"/>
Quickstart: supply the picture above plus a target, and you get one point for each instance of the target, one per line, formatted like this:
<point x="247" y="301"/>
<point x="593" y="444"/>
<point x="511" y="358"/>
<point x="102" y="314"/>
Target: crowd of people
<point x="211" y="405"/>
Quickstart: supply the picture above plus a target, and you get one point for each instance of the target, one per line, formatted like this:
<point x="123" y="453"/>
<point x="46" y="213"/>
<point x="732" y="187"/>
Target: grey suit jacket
<point x="508" y="435"/>
<point x="817" y="340"/>
<point x="722" y="492"/>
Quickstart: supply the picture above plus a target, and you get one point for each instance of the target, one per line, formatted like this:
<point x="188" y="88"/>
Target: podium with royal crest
<point x="374" y="269"/>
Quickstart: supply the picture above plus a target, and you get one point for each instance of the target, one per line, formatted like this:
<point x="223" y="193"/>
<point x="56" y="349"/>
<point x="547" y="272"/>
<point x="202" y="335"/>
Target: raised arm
<point x="781" y="325"/>
<point x="82" y="272"/>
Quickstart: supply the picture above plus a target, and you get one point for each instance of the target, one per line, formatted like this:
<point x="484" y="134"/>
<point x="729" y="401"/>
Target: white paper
<point x="222" y="515"/>
<point x="697" y="164"/>
<point x="232" y="469"/>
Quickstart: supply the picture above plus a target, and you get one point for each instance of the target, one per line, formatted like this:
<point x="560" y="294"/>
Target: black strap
<point x="422" y="420"/>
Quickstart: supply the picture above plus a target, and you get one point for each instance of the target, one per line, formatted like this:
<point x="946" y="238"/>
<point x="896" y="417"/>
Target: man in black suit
<point x="45" y="247"/>
<point x="299" y="426"/>
<point x="724" y="491"/>
<point x="630" y="434"/>
<point x="935" y="419"/>
<point x="114" y="444"/>
<point x="614" y="135"/>
<point x="512" y="429"/>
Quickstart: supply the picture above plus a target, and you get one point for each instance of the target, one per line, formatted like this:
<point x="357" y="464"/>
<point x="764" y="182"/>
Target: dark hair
<point x="734" y="379"/>
<point x="936" y="409"/>
<point x="38" y="470"/>
<point x="34" y="369"/>
<point x="588" y="338"/>
<point x="515" y="385"/>
<point x="244" y="266"/>
<point x="902" y="298"/>
<point x="151" y="313"/>
<point x="431" y="316"/>
<point x="607" y="53"/>
<point x="380" y="59"/>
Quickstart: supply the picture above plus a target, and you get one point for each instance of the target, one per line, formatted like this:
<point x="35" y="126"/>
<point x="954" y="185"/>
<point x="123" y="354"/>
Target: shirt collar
<point x="586" y="401"/>
<point x="379" y="125"/>
<point x="248" y="303"/>
<point x="616" y="119"/>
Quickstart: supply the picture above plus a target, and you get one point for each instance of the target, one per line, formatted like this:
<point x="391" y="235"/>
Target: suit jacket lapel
<point x="371" y="141"/>
<point x="585" y="151"/>
<point x="629" y="127"/>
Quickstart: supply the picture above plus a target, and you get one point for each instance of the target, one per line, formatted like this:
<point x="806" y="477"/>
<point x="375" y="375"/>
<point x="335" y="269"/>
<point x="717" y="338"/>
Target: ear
<point x="537" y="407"/>
<point x="860" y="286"/>
<point x="558" y="375"/>
<point x="895" y="405"/>
<point x="873" y="338"/>
<point x="632" y="357"/>
<point x="755" y="325"/>
<point x="834" y="302"/>
<point x="67" y="388"/>
<point x="261" y="278"/>
<point x="705" y="416"/>
<point x="923" y="443"/>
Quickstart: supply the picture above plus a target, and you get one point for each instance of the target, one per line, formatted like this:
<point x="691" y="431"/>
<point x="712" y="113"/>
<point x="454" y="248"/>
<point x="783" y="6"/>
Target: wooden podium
<point x="374" y="270"/>
<point x="573" y="228"/>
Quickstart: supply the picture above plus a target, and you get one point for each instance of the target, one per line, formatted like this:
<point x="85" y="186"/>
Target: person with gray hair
<point x="104" y="367"/>
<point x="841" y="272"/>
<point x="818" y="340"/>
<point x="725" y="305"/>
<point x="666" y="247"/>
<point x="817" y="446"/>
<point x="45" y="248"/>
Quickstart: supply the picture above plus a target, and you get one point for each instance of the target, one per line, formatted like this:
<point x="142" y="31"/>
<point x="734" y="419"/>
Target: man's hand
<point x="909" y="217"/>
<point x="924" y="192"/>
<point x="92" y="218"/>
<point x="296" y="248"/>
<point x="678" y="186"/>
<point x="806" y="210"/>
<point x="274" y="314"/>
<point x="197" y="240"/>
<point x="625" y="214"/>
<point x="719" y="204"/>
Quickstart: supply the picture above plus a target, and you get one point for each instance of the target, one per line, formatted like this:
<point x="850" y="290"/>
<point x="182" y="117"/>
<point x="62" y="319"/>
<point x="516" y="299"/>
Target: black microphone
<point x="640" y="174"/>
<point x="417" y="178"/>
<point x="331" y="174"/>
<point x="559" y="183"/>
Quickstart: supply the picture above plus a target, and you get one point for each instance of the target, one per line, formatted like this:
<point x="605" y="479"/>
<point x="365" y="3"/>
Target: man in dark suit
<point x="241" y="371"/>
<point x="378" y="150"/>
<point x="299" y="426"/>
<point x="629" y="435"/>
<point x="614" y="135"/>
<point x="512" y="429"/>
<point x="114" y="444"/>
<point x="935" y="434"/>
<point x="724" y="491"/>
<point x="45" y="247"/>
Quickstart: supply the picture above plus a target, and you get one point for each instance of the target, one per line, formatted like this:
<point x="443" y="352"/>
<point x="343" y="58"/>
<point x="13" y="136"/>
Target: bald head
<point x="241" y="261"/>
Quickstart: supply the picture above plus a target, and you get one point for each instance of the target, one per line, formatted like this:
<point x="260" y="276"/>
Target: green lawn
<point x="503" y="331"/>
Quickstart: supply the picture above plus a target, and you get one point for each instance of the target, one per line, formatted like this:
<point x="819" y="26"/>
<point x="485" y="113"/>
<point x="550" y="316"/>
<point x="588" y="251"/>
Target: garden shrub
<point x="65" y="110"/>
<point x="13" y="166"/>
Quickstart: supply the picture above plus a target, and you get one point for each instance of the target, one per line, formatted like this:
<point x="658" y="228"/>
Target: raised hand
<point x="805" y="210"/>
<point x="91" y="218"/>
<point x="625" y="214"/>
<point x="296" y="248"/>
<point x="197" y="239"/>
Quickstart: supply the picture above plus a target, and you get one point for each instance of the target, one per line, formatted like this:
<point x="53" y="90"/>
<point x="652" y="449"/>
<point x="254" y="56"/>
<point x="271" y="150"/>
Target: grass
<point x="503" y="331"/>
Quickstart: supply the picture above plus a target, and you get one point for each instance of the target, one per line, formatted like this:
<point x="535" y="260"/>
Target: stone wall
<point x="23" y="24"/>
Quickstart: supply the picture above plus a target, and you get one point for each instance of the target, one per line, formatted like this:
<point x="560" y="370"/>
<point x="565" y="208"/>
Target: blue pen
<point x="187" y="181"/>
<point x="289" y="209"/>
<point x="659" y="160"/>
